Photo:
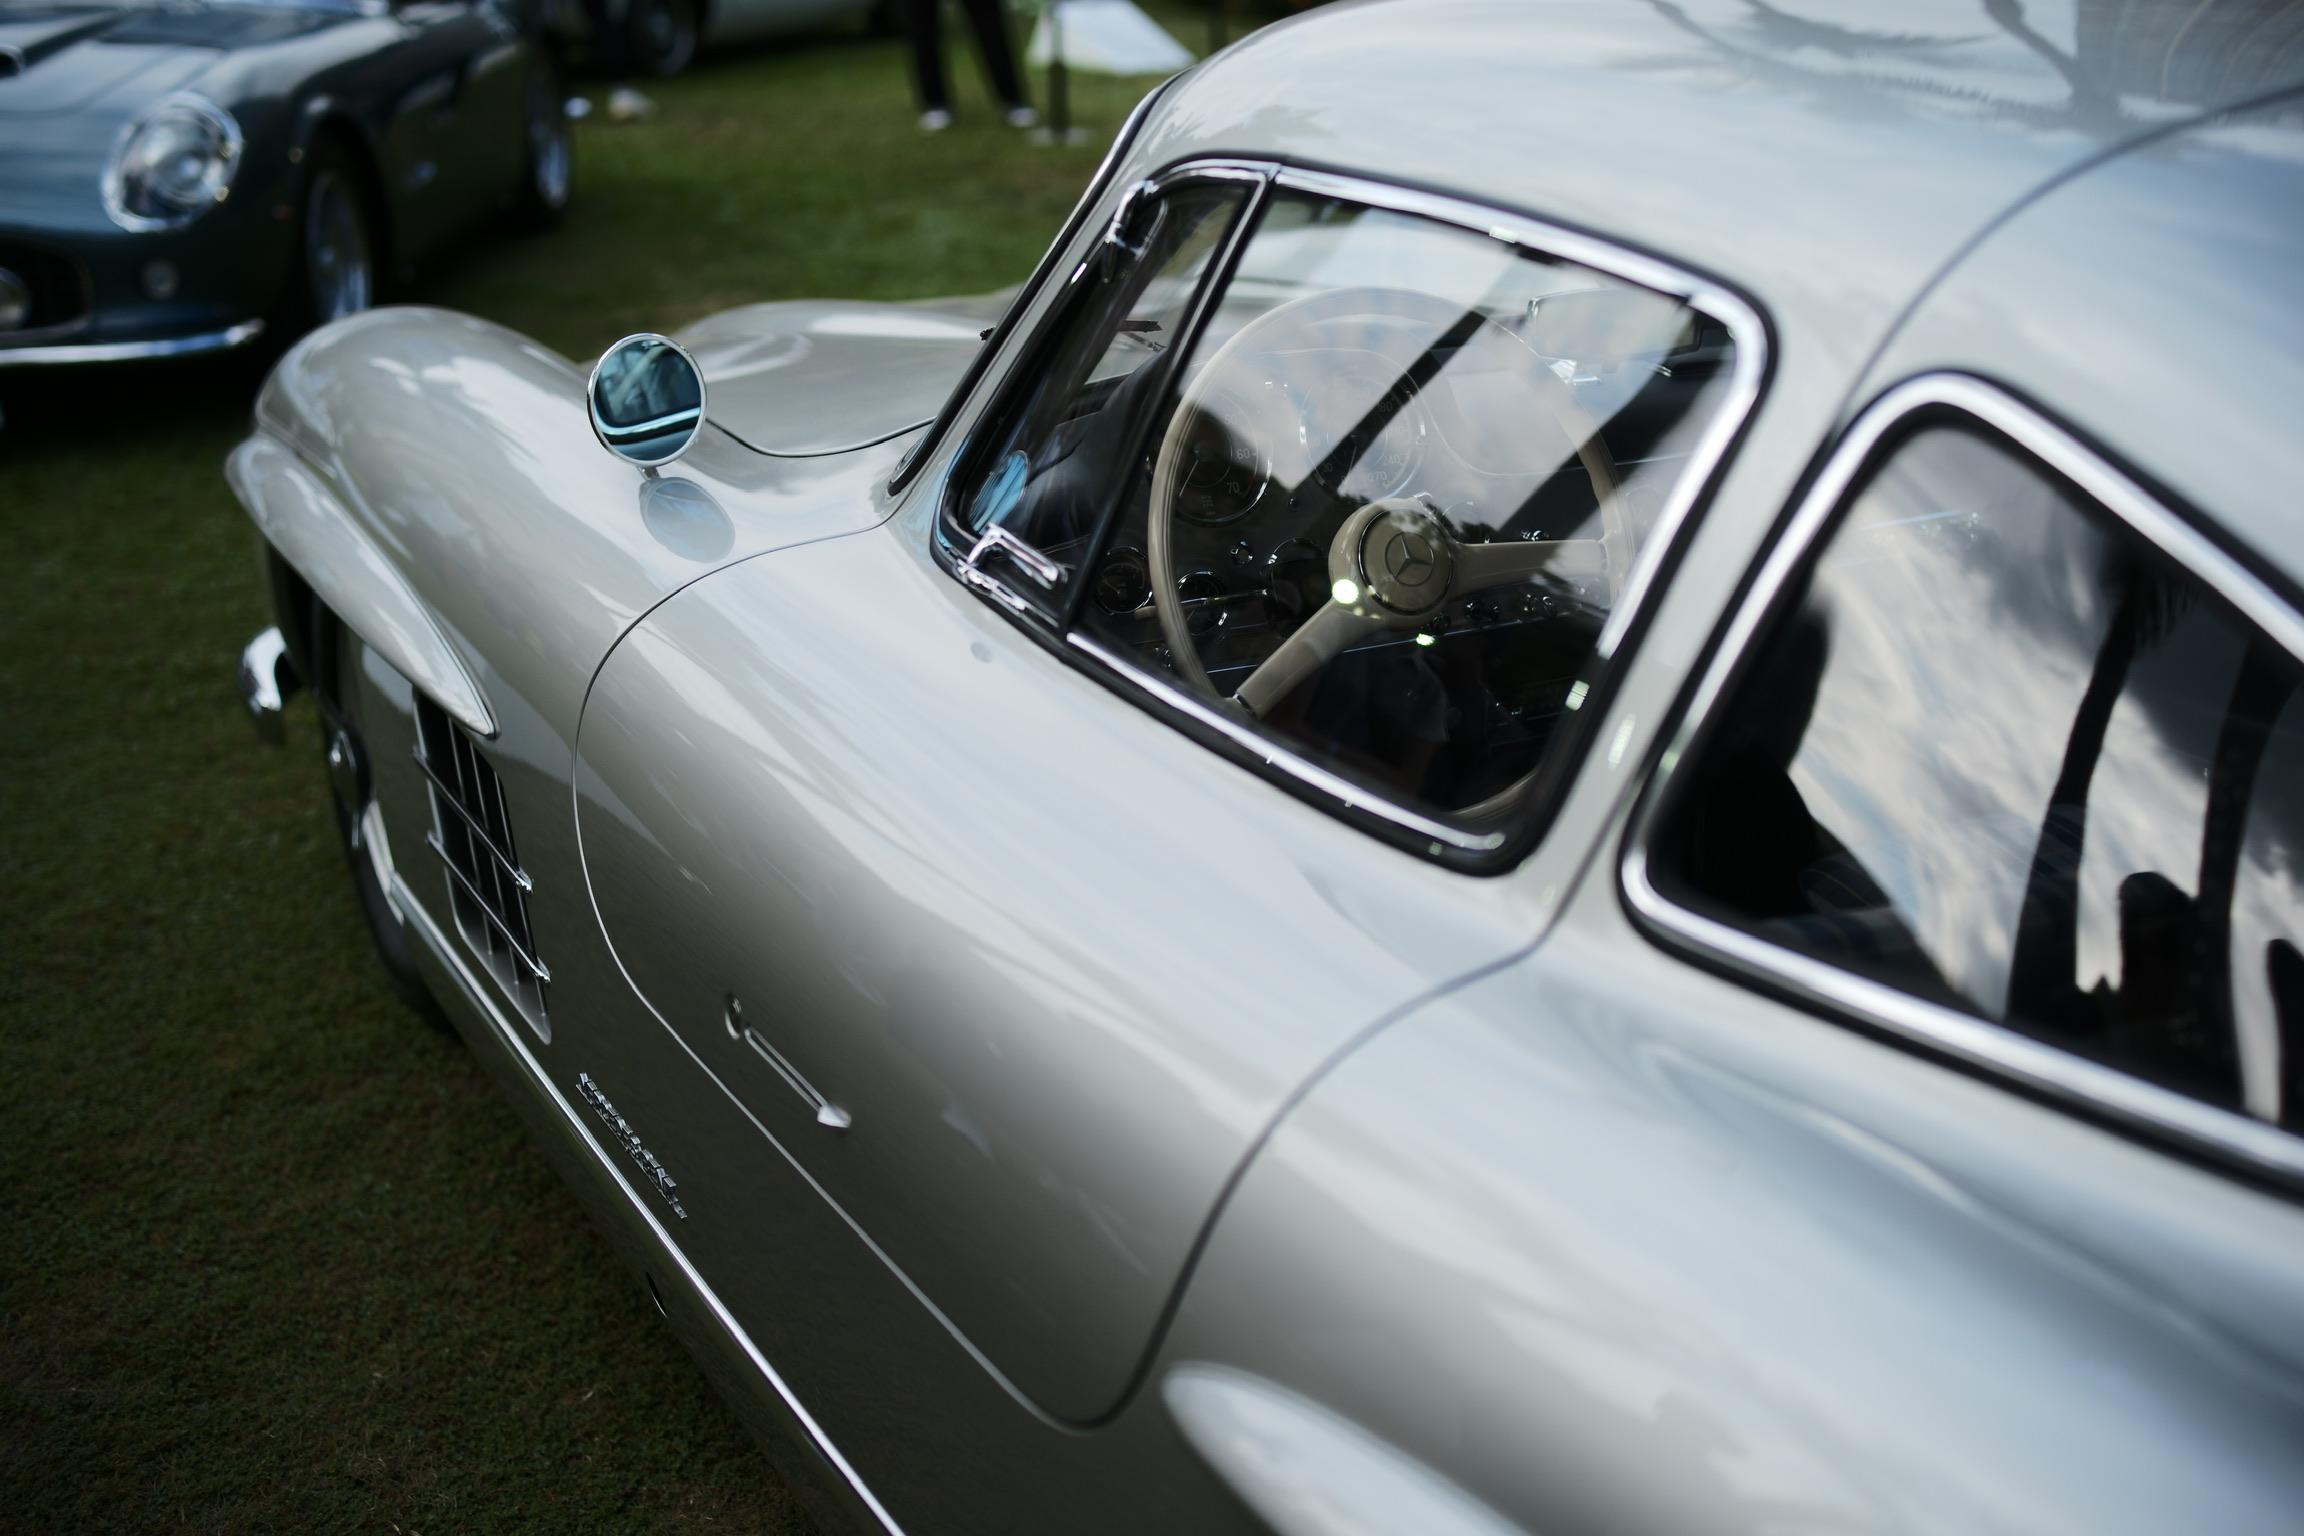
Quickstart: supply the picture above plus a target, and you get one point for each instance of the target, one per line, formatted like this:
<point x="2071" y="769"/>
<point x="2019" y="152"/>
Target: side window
<point x="1380" y="509"/>
<point x="2002" y="755"/>
<point x="1051" y="475"/>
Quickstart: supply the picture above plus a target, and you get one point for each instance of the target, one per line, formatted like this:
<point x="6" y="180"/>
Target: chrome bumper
<point x="267" y="678"/>
<point x="134" y="351"/>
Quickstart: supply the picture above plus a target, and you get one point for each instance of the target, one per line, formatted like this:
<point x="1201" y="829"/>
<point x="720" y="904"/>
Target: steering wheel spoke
<point x="1510" y="562"/>
<point x="1333" y="629"/>
<point x="1396" y="559"/>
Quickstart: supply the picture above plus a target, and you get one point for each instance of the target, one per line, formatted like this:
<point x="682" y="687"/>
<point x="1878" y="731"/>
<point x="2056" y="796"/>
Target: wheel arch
<point x="325" y="120"/>
<point x="318" y="554"/>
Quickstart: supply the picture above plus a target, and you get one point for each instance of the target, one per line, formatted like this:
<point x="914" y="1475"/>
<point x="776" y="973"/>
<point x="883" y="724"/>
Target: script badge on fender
<point x="654" y="1172"/>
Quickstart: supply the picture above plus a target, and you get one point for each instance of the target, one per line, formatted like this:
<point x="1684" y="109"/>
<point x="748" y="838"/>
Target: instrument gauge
<point x="1225" y="473"/>
<point x="1123" y="581"/>
<point x="1202" y="593"/>
<point x="1296" y="579"/>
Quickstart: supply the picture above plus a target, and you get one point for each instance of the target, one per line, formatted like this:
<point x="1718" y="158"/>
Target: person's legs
<point x="923" y="19"/>
<point x="990" y="19"/>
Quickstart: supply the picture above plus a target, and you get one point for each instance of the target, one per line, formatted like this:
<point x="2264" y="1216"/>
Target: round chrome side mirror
<point x="647" y="399"/>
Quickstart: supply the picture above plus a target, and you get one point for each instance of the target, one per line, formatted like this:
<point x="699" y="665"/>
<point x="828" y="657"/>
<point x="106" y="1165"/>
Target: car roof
<point x="1827" y="159"/>
<point x="2150" y="305"/>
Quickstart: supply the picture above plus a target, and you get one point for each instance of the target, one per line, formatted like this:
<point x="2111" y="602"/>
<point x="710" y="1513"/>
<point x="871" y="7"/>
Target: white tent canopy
<point x="1106" y="37"/>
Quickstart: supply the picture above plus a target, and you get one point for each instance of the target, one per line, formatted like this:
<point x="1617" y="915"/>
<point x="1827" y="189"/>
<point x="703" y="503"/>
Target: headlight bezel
<point x="131" y="207"/>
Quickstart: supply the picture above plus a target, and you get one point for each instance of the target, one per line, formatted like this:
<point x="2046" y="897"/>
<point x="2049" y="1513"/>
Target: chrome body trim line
<point x="1745" y="330"/>
<point x="453" y="796"/>
<point x="534" y="966"/>
<point x="133" y="351"/>
<point x="542" y="1083"/>
<point x="1995" y="1048"/>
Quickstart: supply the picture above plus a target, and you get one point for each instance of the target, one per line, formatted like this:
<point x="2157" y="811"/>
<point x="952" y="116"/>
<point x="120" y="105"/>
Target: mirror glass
<point x="647" y="399"/>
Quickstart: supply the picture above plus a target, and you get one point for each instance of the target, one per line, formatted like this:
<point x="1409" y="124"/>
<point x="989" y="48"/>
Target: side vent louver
<point x="473" y="837"/>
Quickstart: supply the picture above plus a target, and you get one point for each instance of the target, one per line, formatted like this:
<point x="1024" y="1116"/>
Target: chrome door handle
<point x="827" y="1113"/>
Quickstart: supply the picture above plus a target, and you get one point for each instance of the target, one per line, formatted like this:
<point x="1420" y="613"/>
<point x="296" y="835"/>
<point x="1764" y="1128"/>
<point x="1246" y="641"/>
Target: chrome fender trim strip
<point x="132" y="351"/>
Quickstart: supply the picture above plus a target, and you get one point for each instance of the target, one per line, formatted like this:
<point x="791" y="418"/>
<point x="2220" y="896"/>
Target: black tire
<point x="548" y="164"/>
<point x="661" y="36"/>
<point x="339" y="252"/>
<point x="349" y="768"/>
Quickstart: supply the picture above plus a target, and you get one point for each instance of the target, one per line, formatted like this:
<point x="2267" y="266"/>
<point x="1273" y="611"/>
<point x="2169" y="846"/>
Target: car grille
<point x="472" y="834"/>
<point x="59" y="289"/>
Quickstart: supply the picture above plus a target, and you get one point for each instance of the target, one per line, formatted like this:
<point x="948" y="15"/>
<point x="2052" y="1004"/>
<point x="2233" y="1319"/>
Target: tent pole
<point x="1059" y="88"/>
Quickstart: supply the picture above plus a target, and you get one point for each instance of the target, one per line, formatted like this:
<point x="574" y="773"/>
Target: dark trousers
<point x="990" y="21"/>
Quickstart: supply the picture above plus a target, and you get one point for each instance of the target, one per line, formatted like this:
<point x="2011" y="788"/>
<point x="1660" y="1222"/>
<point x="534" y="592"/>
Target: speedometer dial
<point x="1225" y="473"/>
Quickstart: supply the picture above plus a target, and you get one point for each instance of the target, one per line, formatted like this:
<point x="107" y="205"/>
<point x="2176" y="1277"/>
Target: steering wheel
<point x="1392" y="563"/>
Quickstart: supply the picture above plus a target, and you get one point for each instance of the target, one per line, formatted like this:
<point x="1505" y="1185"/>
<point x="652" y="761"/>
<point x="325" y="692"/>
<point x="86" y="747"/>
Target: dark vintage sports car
<point x="1565" y="796"/>
<point x="663" y="37"/>
<point x="182" y="178"/>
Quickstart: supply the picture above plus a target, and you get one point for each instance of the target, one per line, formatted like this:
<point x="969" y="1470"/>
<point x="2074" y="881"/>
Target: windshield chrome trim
<point x="956" y="541"/>
<point x="980" y="367"/>
<point x="1995" y="1048"/>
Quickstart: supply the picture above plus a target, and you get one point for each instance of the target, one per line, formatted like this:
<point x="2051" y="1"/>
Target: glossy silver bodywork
<point x="1202" y="1161"/>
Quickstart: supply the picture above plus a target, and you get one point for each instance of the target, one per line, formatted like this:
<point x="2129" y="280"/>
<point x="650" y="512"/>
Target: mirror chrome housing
<point x="646" y="399"/>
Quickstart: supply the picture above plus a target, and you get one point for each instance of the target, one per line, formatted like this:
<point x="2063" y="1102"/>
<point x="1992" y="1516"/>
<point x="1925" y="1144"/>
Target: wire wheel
<point x="549" y="177"/>
<point x="367" y="842"/>
<point x="339" y="258"/>
<point x="664" y="35"/>
<point x="551" y="164"/>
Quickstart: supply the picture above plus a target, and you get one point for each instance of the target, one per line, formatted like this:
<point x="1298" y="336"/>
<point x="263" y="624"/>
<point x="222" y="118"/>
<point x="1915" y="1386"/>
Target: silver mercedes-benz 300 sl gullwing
<point x="1565" y="794"/>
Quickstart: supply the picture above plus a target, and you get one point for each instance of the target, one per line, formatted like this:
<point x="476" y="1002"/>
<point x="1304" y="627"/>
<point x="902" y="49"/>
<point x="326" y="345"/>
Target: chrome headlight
<point x="173" y="162"/>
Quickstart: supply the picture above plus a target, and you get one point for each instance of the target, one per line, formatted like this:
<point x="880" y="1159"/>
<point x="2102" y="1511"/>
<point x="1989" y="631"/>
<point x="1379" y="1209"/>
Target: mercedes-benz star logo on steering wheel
<point x="1408" y="559"/>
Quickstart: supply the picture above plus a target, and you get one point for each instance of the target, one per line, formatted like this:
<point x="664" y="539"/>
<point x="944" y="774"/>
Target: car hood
<point x="809" y="378"/>
<point x="62" y="59"/>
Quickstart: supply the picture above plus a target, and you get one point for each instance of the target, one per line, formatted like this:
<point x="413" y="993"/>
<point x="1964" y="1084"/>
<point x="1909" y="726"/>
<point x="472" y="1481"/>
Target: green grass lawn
<point x="276" y="1256"/>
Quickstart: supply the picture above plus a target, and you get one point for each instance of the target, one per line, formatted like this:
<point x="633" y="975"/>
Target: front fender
<point x="435" y="479"/>
<point x="325" y="545"/>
